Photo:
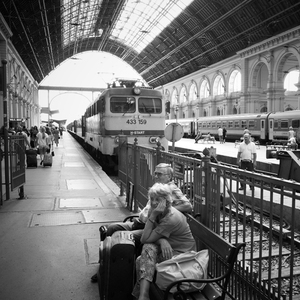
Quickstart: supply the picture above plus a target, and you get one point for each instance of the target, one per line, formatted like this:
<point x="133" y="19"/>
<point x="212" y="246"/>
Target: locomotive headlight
<point x="153" y="140"/>
<point x="136" y="90"/>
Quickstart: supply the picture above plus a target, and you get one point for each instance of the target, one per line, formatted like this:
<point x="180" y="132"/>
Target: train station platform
<point x="49" y="240"/>
<point x="227" y="153"/>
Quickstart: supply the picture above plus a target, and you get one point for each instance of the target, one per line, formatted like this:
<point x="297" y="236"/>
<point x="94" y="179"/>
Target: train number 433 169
<point x="138" y="121"/>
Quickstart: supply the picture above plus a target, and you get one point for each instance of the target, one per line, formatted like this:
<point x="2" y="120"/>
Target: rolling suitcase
<point x="117" y="266"/>
<point x="31" y="158"/>
<point x="47" y="160"/>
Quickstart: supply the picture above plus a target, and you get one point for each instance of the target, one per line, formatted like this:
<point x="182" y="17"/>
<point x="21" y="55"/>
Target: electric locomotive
<point x="126" y="107"/>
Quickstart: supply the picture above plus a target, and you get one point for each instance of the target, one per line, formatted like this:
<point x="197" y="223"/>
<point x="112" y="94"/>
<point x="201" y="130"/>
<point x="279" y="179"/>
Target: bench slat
<point x="211" y="239"/>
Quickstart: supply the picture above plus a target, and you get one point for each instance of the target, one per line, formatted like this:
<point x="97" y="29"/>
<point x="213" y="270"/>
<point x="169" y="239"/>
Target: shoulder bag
<point x="192" y="265"/>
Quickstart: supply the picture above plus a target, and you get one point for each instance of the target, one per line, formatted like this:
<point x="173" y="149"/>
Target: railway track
<point x="268" y="254"/>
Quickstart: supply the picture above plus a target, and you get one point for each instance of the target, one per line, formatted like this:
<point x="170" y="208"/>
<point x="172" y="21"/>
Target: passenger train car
<point x="264" y="127"/>
<point x="125" y="108"/>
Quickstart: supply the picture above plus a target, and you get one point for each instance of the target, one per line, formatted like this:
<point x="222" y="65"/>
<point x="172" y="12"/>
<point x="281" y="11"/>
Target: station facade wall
<point x="252" y="81"/>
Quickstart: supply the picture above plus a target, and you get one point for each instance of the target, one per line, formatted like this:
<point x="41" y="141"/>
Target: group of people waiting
<point x="161" y="228"/>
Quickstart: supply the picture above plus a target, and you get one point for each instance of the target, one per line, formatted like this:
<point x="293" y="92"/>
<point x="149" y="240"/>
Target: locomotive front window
<point x="150" y="105"/>
<point x="122" y="104"/>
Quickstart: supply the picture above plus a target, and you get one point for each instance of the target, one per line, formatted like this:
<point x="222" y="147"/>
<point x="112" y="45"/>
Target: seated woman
<point x="166" y="233"/>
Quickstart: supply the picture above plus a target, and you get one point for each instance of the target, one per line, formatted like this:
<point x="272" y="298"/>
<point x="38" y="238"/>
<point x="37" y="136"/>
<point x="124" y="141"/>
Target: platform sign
<point x="178" y="171"/>
<point x="173" y="133"/>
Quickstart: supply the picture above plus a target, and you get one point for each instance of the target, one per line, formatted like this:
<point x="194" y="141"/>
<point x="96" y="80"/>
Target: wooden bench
<point x="223" y="256"/>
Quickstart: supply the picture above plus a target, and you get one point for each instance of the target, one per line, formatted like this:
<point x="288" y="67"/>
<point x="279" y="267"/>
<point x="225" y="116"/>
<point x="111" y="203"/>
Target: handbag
<point x="191" y="265"/>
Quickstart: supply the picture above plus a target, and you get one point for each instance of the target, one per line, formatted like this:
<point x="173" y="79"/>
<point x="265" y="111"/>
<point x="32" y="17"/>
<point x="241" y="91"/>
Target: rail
<point x="265" y="218"/>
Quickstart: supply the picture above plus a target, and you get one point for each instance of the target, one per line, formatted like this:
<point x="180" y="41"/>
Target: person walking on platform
<point x="163" y="174"/>
<point x="42" y="140"/>
<point x="198" y="136"/>
<point x="246" y="157"/>
<point x="220" y="134"/>
<point x="55" y="133"/>
<point x="224" y="135"/>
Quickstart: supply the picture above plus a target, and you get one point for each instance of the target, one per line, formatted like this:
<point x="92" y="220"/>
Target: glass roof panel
<point x="141" y="21"/>
<point x="78" y="19"/>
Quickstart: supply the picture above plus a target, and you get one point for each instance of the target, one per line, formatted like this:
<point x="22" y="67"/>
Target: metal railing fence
<point x="266" y="217"/>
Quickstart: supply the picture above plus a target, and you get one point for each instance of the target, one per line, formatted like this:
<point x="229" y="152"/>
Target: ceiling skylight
<point x="141" y="21"/>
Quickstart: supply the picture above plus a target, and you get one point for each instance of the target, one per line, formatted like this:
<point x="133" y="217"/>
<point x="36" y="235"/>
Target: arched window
<point x="183" y="95"/>
<point x="235" y="81"/>
<point x="264" y="109"/>
<point x="290" y="79"/>
<point x="174" y="99"/>
<point x="219" y="86"/>
<point x="193" y="94"/>
<point x="204" y="89"/>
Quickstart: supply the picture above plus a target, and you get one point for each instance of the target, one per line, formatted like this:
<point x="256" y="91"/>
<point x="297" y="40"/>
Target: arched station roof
<point x="162" y="40"/>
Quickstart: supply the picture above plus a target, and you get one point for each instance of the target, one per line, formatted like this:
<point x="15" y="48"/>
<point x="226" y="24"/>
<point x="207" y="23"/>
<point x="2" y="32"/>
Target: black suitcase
<point x="117" y="266"/>
<point x="47" y="160"/>
<point x="31" y="158"/>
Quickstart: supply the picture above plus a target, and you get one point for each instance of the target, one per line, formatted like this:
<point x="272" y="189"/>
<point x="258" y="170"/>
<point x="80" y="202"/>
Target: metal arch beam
<point x="29" y="42"/>
<point x="70" y="88"/>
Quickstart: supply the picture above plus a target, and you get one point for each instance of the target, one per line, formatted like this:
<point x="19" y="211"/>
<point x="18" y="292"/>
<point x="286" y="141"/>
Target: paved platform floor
<point x="49" y="240"/>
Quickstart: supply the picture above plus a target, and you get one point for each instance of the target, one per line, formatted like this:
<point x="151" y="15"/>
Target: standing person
<point x="224" y="135"/>
<point x="61" y="132"/>
<point x="166" y="234"/>
<point x="198" y="136"/>
<point x="246" y="157"/>
<point x="33" y="132"/>
<point x="291" y="133"/>
<point x="163" y="174"/>
<point x="42" y="140"/>
<point x="220" y="134"/>
<point x="56" y="136"/>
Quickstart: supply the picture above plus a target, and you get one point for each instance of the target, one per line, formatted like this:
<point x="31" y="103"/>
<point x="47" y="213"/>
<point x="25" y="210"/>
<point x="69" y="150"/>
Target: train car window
<point x="122" y="104"/>
<point x="213" y="124"/>
<point x="199" y="125"/>
<point x="236" y="124"/>
<point x="276" y="124"/>
<point x="219" y="124"/>
<point x="284" y="124"/>
<point x="244" y="124"/>
<point x="262" y="124"/>
<point x="204" y="125"/>
<point x="224" y="124"/>
<point x="150" y="105"/>
<point x="251" y="124"/>
<point x="208" y="124"/>
<point x="295" y="123"/>
<point x="230" y="124"/>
